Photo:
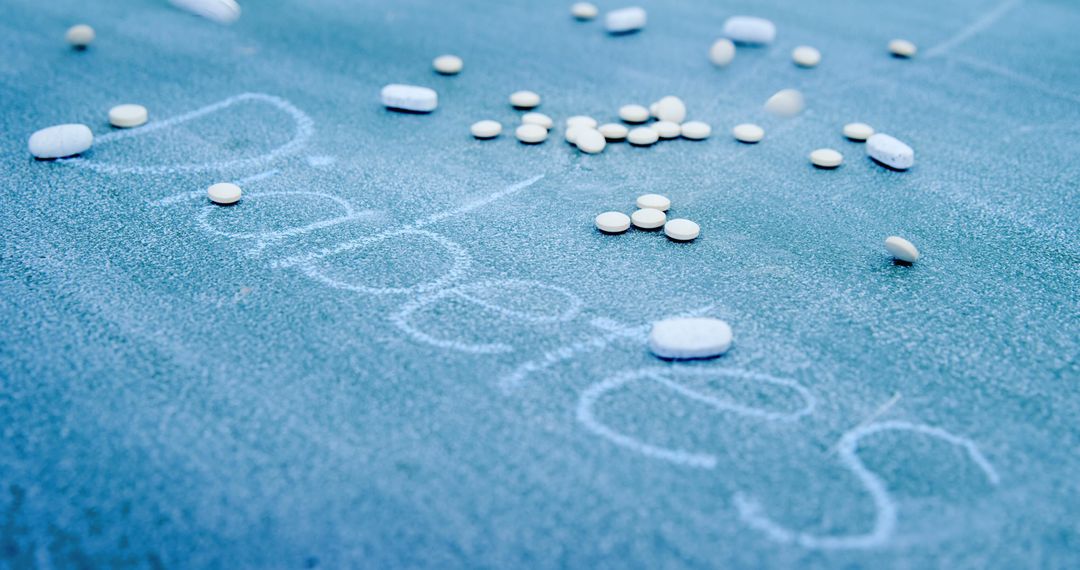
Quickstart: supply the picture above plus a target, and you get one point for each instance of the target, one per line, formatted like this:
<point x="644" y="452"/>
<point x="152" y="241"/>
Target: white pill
<point x="858" y="131"/>
<point x="653" y="201"/>
<point x="902" y="48"/>
<point x="642" y="136"/>
<point x="571" y="134"/>
<point x="535" y="118"/>
<point x="666" y="129"/>
<point x="531" y="134"/>
<point x="224" y="193"/>
<point x="749" y="30"/>
<point x="625" y="20"/>
<point x="786" y="103"/>
<point x="589" y="140"/>
<point x="748" y="133"/>
<point x="60" y="141"/>
<point x="486" y="129"/>
<point x="634" y="113"/>
<point x="127" y="116"/>
<point x="653" y="107"/>
<point x="613" y="222"/>
<point x="902" y="249"/>
<point x="681" y="229"/>
<point x="581" y="121"/>
<point x="696" y="130"/>
<point x="409" y="98"/>
<point x="613" y="131"/>
<point x="80" y="35"/>
<point x="890" y="151"/>
<point x="690" y="337"/>
<point x="448" y="64"/>
<point x="220" y="11"/>
<point x="524" y="99"/>
<point x="826" y="158"/>
<point x="722" y="52"/>
<point x="584" y="11"/>
<point x="806" y="56"/>
<point x="671" y="108"/>
<point x="648" y="218"/>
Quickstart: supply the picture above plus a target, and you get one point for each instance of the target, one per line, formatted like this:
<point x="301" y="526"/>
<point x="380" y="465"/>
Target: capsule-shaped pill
<point x="890" y="151"/>
<point x="749" y="30"/>
<point x="625" y="20"/>
<point x="409" y="98"/>
<point x="60" y="141"/>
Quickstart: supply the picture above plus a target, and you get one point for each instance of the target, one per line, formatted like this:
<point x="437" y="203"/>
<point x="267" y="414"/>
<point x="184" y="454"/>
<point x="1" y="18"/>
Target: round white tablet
<point x="535" y="118"/>
<point x="581" y="121"/>
<point x="858" y="131"/>
<point x="690" y="337"/>
<point x="80" y="35"/>
<point x="589" y="140"/>
<point x="224" y="193"/>
<point x="571" y="134"/>
<point x="653" y="107"/>
<point x="681" y="229"/>
<point x="826" y="158"/>
<point x="722" y="52"/>
<point x="786" y="103"/>
<point x="806" y="56"/>
<point x="902" y="249"/>
<point x="613" y="222"/>
<point x="653" y="201"/>
<point x="648" y="218"/>
<point x="696" y="130"/>
<point x="748" y="133"/>
<point x="486" y="129"/>
<point x="902" y="48"/>
<point x="634" y="113"/>
<point x="127" y="116"/>
<point x="642" y="136"/>
<point x="524" y="99"/>
<point x="584" y="11"/>
<point x="531" y="134"/>
<point x="666" y="129"/>
<point x="448" y="64"/>
<point x="671" y="108"/>
<point x="613" y="131"/>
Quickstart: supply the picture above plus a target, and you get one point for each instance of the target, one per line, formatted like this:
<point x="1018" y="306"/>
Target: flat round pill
<point x="535" y="118"/>
<point x="60" y="141"/>
<point x="448" y="64"/>
<point x="486" y="129"/>
<point x="806" y="56"/>
<point x="80" y="35"/>
<point x="671" y="108"/>
<point x="127" y="116"/>
<point x="786" y="103"/>
<point x="748" y="133"/>
<point x="890" y="151"/>
<point x="584" y="11"/>
<point x="613" y="131"/>
<point x="681" y="229"/>
<point x="690" y="337"/>
<point x="826" y="158"/>
<point x="571" y="134"/>
<point x="531" y="134"/>
<point x="581" y="121"/>
<point x="524" y="99"/>
<point x="653" y="108"/>
<point x="722" y="52"/>
<point x="666" y="129"/>
<point x="858" y="131"/>
<point x="648" y="218"/>
<point x="653" y="201"/>
<point x="696" y="130"/>
<point x="589" y="140"/>
<point x="634" y="113"/>
<point x="397" y="96"/>
<point x="625" y="20"/>
<point x="642" y="136"/>
<point x="224" y="193"/>
<point x="902" y="48"/>
<point x="750" y="30"/>
<point x="902" y="249"/>
<point x="613" y="222"/>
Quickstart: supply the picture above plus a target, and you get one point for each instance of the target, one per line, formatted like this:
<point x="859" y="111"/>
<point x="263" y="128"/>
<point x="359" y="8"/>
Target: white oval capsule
<point x="749" y="30"/>
<point x="890" y="151"/>
<point x="690" y="337"/>
<point x="666" y="129"/>
<point x="653" y="201"/>
<point x="220" y="11"/>
<point x="581" y="121"/>
<point x="671" y="108"/>
<point x="584" y="10"/>
<point x="535" y="118"/>
<point x="858" y="131"/>
<point x="448" y="64"/>
<point x="613" y="222"/>
<point x="80" y="36"/>
<point x="531" y="134"/>
<point x="648" y="218"/>
<point x="696" y="130"/>
<point x="224" y="193"/>
<point x="486" y="129"/>
<point x="681" y="229"/>
<point x="722" y="52"/>
<point x="613" y="131"/>
<point x="128" y="116"/>
<point x="402" y="97"/>
<point x="625" y="20"/>
<point x="589" y="140"/>
<point x="902" y="249"/>
<point x="748" y="133"/>
<point x="642" y="136"/>
<point x="786" y="103"/>
<point x="524" y="99"/>
<point x="806" y="56"/>
<point x="60" y="141"/>
<point x="826" y="158"/>
<point x="634" y="113"/>
<point x="902" y="48"/>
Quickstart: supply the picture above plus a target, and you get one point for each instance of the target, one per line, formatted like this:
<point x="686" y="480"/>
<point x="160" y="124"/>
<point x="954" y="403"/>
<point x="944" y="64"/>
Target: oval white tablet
<point x="589" y="140"/>
<point x="634" y="113"/>
<point x="826" y="158"/>
<point x="613" y="222"/>
<point x="613" y="131"/>
<point x="648" y="218"/>
<point x="653" y="201"/>
<point x="402" y="97"/>
<point x="224" y="193"/>
<point x="584" y="10"/>
<point x="671" y="108"/>
<point x="653" y="107"/>
<point x="60" y="141"/>
<point x="666" y="129"/>
<point x="890" y="151"/>
<point x="486" y="129"/>
<point x="806" y="56"/>
<point x="448" y="64"/>
<point x="642" y="136"/>
<point x="531" y="134"/>
<point x="220" y="11"/>
<point x="748" y="133"/>
<point x="681" y="229"/>
<point x="581" y="121"/>
<point x="128" y="116"/>
<point x="625" y="20"/>
<point x="902" y="249"/>
<point x="749" y="30"/>
<point x="902" y="48"/>
<point x="535" y="118"/>
<point x="696" y="130"/>
<point x="722" y="52"/>
<point x="690" y="337"/>
<point x="80" y="35"/>
<point x="858" y="131"/>
<point x="571" y="134"/>
<point x="786" y="103"/>
<point x="524" y="99"/>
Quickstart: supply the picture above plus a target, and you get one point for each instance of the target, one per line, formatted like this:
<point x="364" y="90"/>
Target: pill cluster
<point x="63" y="141"/>
<point x="650" y="215"/>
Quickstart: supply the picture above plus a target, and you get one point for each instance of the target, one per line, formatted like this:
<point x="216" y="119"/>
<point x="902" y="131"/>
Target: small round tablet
<point x="902" y="249"/>
<point x="666" y="129"/>
<point x="128" y="115"/>
<point x="858" y="131"/>
<point x="722" y="52"/>
<point x="535" y="118"/>
<point x="589" y="140"/>
<point x="696" y="130"/>
<point x="653" y="108"/>
<point x="584" y="10"/>
<point x="826" y="158"/>
<point x="524" y="99"/>
<point x="786" y="103"/>
<point x="642" y="136"/>
<point x="671" y="108"/>
<point x="581" y="121"/>
<point x="902" y="48"/>
<point x="531" y="134"/>
<point x="806" y="56"/>
<point x="748" y="133"/>
<point x="486" y="129"/>
<point x="681" y="229"/>
<point x="613" y="222"/>
<point x="690" y="337"/>
<point x="613" y="131"/>
<point x="653" y="201"/>
<point x="80" y="36"/>
<point x="634" y="113"/>
<point x="224" y="193"/>
<point x="571" y="134"/>
<point x="648" y="218"/>
<point x="448" y="64"/>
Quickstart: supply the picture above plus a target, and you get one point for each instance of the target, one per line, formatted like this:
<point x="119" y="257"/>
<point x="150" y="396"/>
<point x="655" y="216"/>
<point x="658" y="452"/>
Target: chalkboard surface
<point x="405" y="347"/>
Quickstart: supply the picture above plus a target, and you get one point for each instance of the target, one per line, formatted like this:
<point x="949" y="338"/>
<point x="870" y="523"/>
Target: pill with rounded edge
<point x="80" y="36"/>
<point x="634" y="113"/>
<point x="786" y="103"/>
<point x="749" y="30"/>
<point x="648" y="218"/>
<point x="903" y="48"/>
<point x="890" y="151"/>
<point x="653" y="201"/>
<point x="402" y="97"/>
<point x="613" y="222"/>
<point x="858" y="131"/>
<point x="826" y="158"/>
<point x="722" y="52"/>
<point x="486" y="129"/>
<point x="535" y="118"/>
<point x="642" y="136"/>
<point x="625" y="20"/>
<point x="224" y="193"/>
<point x="806" y="56"/>
<point x="902" y="249"/>
<point x="60" y="141"/>
<point x="581" y="121"/>
<point x="584" y="10"/>
<point x="589" y="140"/>
<point x="128" y="115"/>
<point x="524" y="99"/>
<point x="671" y="108"/>
<point x="448" y="64"/>
<point x="666" y="129"/>
<point x="696" y="130"/>
<point x="681" y="229"/>
<point x="531" y="134"/>
<point x="690" y="337"/>
<point x="220" y="11"/>
<point x="748" y="133"/>
<point x="613" y="131"/>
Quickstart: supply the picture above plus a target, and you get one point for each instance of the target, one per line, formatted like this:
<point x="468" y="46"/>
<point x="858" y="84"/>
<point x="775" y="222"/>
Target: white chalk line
<point x="873" y="416"/>
<point x="194" y="194"/>
<point x="980" y="24"/>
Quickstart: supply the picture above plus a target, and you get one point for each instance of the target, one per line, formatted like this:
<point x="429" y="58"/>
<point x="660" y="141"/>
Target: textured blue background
<point x="171" y="397"/>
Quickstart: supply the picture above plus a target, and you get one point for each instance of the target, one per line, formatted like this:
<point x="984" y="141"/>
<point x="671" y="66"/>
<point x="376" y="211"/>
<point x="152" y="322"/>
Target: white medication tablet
<point x="671" y="108"/>
<point x="80" y="36"/>
<point x="681" y="229"/>
<point x="581" y="121"/>
<point x="613" y="222"/>
<point x="902" y="48"/>
<point x="409" y="98"/>
<point x="648" y="218"/>
<point x="571" y="134"/>
<point x="858" y="131"/>
<point x="806" y="56"/>
<point x="524" y="99"/>
<point x="653" y="108"/>
<point x="127" y="116"/>
<point x="634" y="113"/>
<point x="786" y="103"/>
<point x="890" y="152"/>
<point x="531" y="134"/>
<point x="666" y="129"/>
<point x="642" y="136"/>
<point x="749" y="30"/>
<point x="696" y="130"/>
<point x="722" y="52"/>
<point x="690" y="337"/>
<point x="220" y="11"/>
<point x="60" y="141"/>
<point x="902" y="249"/>
<point x="448" y="64"/>
<point x="535" y="118"/>
<point x="613" y="131"/>
<point x="653" y="201"/>
<point x="748" y="133"/>
<point x="584" y="11"/>
<point x="826" y="158"/>
<point x="625" y="21"/>
<point x="486" y="129"/>
<point x="589" y="140"/>
<point x="224" y="193"/>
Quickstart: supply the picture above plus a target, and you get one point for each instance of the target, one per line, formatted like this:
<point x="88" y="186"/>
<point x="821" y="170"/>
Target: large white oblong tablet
<point x="224" y="193"/>
<point x="890" y="151"/>
<point x="806" y="56"/>
<point x="60" y="141"/>
<point x="409" y="98"/>
<point x="584" y="10"/>
<point x="220" y="11"/>
<point x="826" y="158"/>
<point x="613" y="222"/>
<point x="128" y="115"/>
<point x="589" y="140"/>
<point x="666" y="129"/>
<point x="858" y="131"/>
<point x="486" y="129"/>
<point x="531" y="134"/>
<point x="648" y="218"/>
<point x="524" y="99"/>
<point x="80" y="36"/>
<point x="625" y="20"/>
<point x="642" y="136"/>
<point x="902" y="48"/>
<point x="681" y="229"/>
<point x="613" y="131"/>
<point x="696" y="130"/>
<point x="448" y="64"/>
<point x="902" y="249"/>
<point x="535" y="118"/>
<point x="690" y="337"/>
<point x="749" y="30"/>
<point x="581" y="121"/>
<point x="722" y="52"/>
<point x="786" y="103"/>
<point x="671" y="108"/>
<point x="653" y="201"/>
<point x="634" y="113"/>
<point x="748" y="133"/>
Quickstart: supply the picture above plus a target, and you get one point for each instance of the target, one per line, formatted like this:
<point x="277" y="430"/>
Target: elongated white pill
<point x="826" y="158"/>
<point x="448" y="64"/>
<point x="589" y="140"/>
<point x="696" y="130"/>
<point x="581" y="121"/>
<point x="625" y="20"/>
<point x="786" y="103"/>
<point x="749" y="30"/>
<point x="537" y="119"/>
<point x="653" y="201"/>
<point x="642" y="136"/>
<point x="666" y="129"/>
<point x="524" y="99"/>
<point x="531" y="134"/>
<point x="858" y="131"/>
<point x="60" y="141"/>
<point x="613" y="131"/>
<point x="128" y="115"/>
<point x="806" y="56"/>
<point x="413" y="98"/>
<point x="690" y="337"/>
<point x="648" y="218"/>
<point x="80" y="36"/>
<point x="671" y="108"/>
<point x="220" y="11"/>
<point x="584" y="10"/>
<point x="902" y="249"/>
<point x="681" y="229"/>
<point x="890" y="151"/>
<point x="722" y="52"/>
<point x="634" y="113"/>
<point x="486" y="129"/>
<point x="903" y="48"/>
<point x="613" y="222"/>
<point x="748" y="133"/>
<point x="224" y="193"/>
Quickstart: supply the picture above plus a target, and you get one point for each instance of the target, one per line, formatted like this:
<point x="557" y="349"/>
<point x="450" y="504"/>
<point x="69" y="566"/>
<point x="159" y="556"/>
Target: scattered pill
<point x="858" y="131"/>
<point x="531" y="134"/>
<point x="672" y="109"/>
<point x="127" y="116"/>
<point x="642" y="136"/>
<point x="722" y="52"/>
<point x="890" y="151"/>
<point x="666" y="129"/>
<point x="80" y="36"/>
<point x="653" y="108"/>
<point x="220" y="11"/>
<point x="581" y="121"/>
<point x="60" y="141"/>
<point x="613" y="222"/>
<point x="786" y="103"/>
<point x="224" y="193"/>
<point x="448" y="64"/>
<point x="625" y="20"/>
<point x="748" y="133"/>
<point x="409" y="98"/>
<point x="486" y="129"/>
<point x="613" y="131"/>
<point x="806" y="56"/>
<point x="634" y="113"/>
<point x="571" y="134"/>
<point x="537" y="119"/>
<point x="749" y="30"/>
<point x="696" y="130"/>
<point x="648" y="218"/>
<point x="902" y="48"/>
<point x="589" y="140"/>
<point x="902" y="249"/>
<point x="681" y="229"/>
<point x="584" y="10"/>
<point x="653" y="201"/>
<point x="524" y="99"/>
<point x="826" y="158"/>
<point x="690" y="337"/>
